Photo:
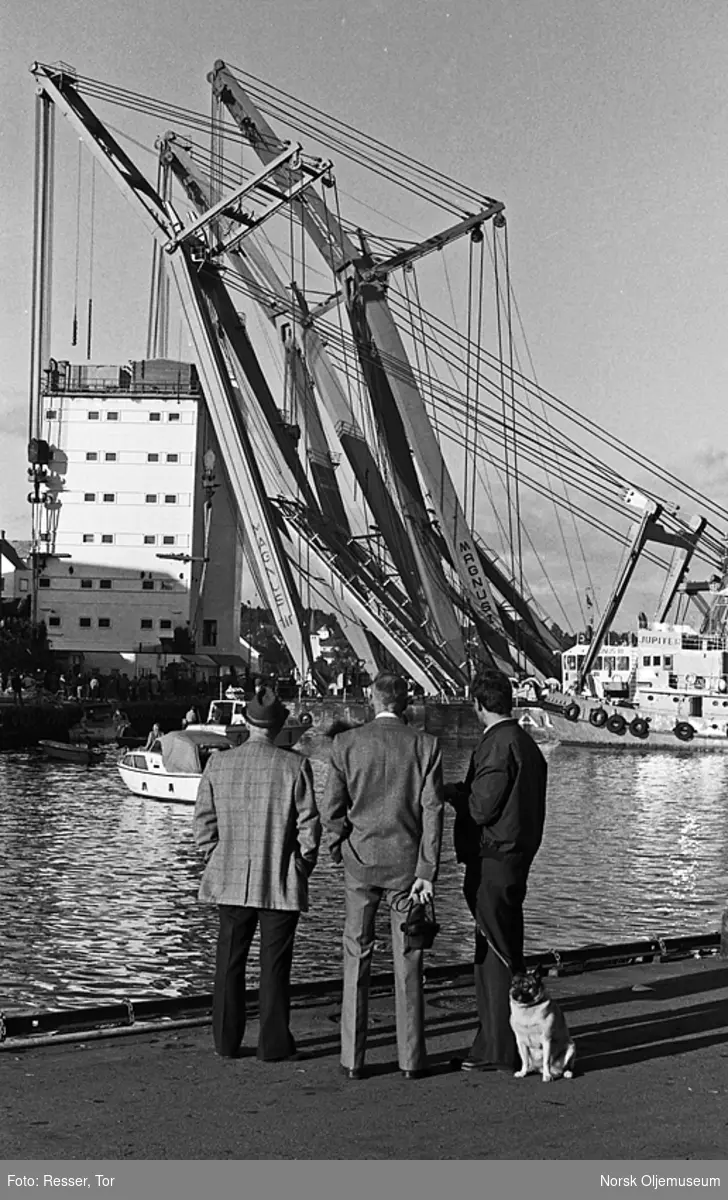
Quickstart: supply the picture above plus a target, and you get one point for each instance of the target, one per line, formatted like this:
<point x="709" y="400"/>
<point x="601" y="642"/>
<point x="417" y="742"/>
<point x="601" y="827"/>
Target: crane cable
<point x="91" y="223"/>
<point x="77" y="266"/>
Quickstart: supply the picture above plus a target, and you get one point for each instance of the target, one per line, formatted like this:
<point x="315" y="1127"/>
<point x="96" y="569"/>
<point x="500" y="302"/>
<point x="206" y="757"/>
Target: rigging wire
<point x="511" y="431"/>
<point x="91" y="223"/>
<point x="77" y="264"/>
<point x="512" y="399"/>
<point x="149" y="105"/>
<point x="389" y="151"/>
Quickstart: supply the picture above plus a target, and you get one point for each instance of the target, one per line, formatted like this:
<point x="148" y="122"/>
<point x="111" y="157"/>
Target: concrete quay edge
<point x="652" y="1079"/>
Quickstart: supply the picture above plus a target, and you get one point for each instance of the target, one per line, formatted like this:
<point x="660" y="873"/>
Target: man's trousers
<point x="362" y="902"/>
<point x="277" y="932"/>
<point x="495" y="891"/>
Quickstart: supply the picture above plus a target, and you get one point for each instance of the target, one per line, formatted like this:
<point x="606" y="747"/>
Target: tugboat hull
<point x="604" y="725"/>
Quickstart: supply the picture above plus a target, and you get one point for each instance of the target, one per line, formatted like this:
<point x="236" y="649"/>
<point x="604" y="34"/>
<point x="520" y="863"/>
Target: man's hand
<point x="420" y="891"/>
<point x="336" y="855"/>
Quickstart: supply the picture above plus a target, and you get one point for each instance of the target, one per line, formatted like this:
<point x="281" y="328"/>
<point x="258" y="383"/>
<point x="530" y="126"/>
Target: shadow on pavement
<point x="654" y="1035"/>
<point x="662" y="989"/>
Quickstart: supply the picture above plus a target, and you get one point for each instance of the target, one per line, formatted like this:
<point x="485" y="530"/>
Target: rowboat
<point x="77" y="752"/>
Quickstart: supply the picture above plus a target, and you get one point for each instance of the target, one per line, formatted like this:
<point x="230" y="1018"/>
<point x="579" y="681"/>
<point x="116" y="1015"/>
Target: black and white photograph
<point x="363" y="597"/>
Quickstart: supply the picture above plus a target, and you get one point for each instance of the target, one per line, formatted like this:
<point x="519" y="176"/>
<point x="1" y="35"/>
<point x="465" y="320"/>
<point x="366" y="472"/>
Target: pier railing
<point x="19" y="1030"/>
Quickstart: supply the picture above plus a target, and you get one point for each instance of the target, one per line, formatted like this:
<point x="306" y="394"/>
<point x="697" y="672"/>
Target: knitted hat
<point x="265" y="710"/>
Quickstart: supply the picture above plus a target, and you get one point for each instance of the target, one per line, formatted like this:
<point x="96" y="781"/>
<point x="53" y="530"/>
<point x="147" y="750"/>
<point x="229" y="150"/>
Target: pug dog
<point x="540" y="1030"/>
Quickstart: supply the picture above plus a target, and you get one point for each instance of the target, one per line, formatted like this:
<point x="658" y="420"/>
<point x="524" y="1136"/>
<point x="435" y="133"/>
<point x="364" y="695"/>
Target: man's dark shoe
<point x="351" y="1072"/>
<point x="421" y="1073"/>
<point x="477" y="1064"/>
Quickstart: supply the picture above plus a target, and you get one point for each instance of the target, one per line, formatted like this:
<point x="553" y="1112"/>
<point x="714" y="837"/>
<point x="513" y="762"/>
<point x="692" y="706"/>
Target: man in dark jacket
<point x="500" y="810"/>
<point x="383" y="811"/>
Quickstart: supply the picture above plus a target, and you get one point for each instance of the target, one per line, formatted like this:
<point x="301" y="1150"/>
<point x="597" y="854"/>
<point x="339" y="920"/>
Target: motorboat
<point x="172" y="767"/>
<point x="226" y="717"/>
<point x="76" y="752"/>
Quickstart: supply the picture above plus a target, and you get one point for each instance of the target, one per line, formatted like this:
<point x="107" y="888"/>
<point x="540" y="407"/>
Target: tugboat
<point x="671" y="689"/>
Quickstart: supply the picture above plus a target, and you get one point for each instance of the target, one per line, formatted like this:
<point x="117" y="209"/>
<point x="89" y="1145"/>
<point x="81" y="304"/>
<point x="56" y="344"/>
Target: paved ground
<point x="652" y="1041"/>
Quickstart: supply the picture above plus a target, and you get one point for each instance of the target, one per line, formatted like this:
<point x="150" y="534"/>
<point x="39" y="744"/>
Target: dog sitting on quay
<point x="540" y="1029"/>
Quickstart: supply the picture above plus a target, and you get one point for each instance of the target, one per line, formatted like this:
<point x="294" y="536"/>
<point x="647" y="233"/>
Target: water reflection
<point x="99" y="888"/>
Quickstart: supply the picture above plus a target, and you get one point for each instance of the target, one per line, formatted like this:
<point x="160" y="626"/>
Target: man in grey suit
<point x="383" y="810"/>
<point x="257" y="823"/>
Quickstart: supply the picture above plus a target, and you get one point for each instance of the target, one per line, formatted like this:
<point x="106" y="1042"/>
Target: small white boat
<point x="226" y="717"/>
<point x="172" y="767"/>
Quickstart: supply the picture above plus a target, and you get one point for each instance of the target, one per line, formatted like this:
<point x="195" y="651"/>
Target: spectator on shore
<point x="16" y="684"/>
<point x="500" y="809"/>
<point x="257" y="824"/>
<point x="190" y="717"/>
<point x="383" y="810"/>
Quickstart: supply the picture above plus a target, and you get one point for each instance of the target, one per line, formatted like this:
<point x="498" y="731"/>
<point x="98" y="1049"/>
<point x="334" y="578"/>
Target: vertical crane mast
<point x="194" y="289"/>
<point x="40" y="319"/>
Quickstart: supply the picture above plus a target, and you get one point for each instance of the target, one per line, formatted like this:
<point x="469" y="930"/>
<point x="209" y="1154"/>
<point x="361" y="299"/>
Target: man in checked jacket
<point x="257" y="823"/>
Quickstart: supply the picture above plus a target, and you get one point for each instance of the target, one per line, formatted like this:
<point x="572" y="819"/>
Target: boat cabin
<point x="678" y="668"/>
<point x="611" y="674"/>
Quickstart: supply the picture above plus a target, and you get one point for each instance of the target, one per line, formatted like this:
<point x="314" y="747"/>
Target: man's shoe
<point x="351" y="1072"/>
<point x="477" y="1064"/>
<point x="421" y="1073"/>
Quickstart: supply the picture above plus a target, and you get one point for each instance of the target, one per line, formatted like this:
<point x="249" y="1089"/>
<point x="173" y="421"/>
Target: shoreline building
<point x="138" y="554"/>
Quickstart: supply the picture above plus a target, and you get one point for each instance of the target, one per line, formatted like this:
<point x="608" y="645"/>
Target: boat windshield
<point x="221" y="712"/>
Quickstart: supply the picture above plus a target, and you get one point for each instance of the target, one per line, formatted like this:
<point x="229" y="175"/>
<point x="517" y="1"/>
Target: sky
<point x="601" y="124"/>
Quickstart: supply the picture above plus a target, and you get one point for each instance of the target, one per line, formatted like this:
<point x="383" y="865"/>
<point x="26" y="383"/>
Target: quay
<point x="651" y="1083"/>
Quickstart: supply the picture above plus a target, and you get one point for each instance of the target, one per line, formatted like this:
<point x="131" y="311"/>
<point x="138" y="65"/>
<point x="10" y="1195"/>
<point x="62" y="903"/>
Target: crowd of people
<point x="259" y="826"/>
<point x="76" y="684"/>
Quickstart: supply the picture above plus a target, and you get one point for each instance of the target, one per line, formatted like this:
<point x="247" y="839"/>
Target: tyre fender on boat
<point x="616" y="723"/>
<point x="305" y="719"/>
<point x="598" y="717"/>
<point x="639" y="727"/>
<point x="572" y="712"/>
<point x="684" y="731"/>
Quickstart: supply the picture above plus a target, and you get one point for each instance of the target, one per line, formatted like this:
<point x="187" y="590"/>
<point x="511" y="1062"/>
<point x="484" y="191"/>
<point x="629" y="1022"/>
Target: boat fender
<point x="598" y="717"/>
<point x="616" y="723"/>
<point x="572" y="712"/>
<point x="305" y="719"/>
<point x="699" y="681"/>
<point x="684" y="731"/>
<point x="639" y="728"/>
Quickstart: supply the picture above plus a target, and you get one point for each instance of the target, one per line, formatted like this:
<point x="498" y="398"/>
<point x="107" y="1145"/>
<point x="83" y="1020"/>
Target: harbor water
<point x="98" y="888"/>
